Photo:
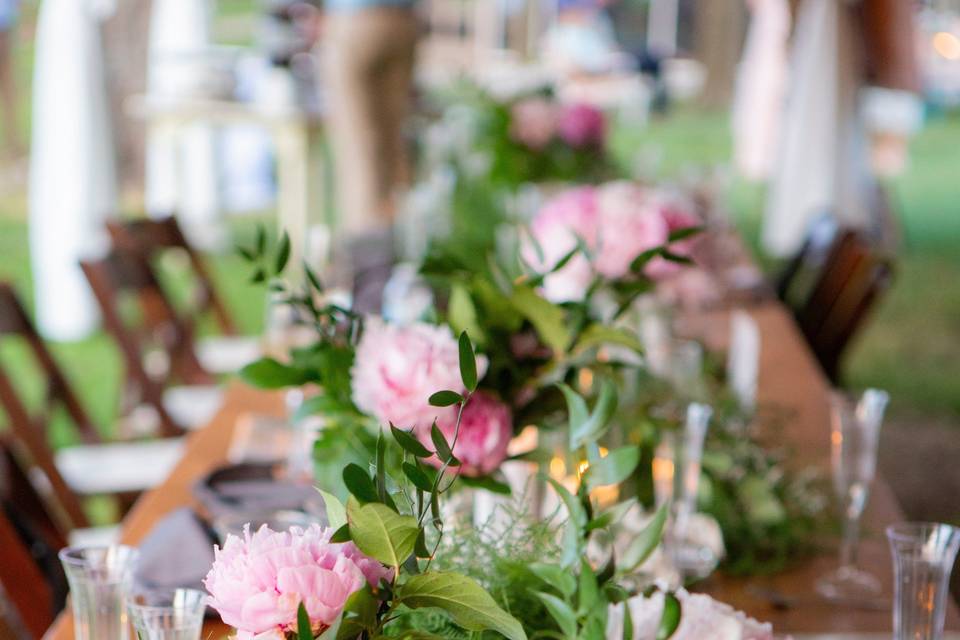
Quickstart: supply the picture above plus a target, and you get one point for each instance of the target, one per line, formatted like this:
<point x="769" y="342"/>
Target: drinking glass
<point x="854" y="435"/>
<point x="923" y="555"/>
<point x="99" y="578"/>
<point x="690" y="556"/>
<point x="168" y="614"/>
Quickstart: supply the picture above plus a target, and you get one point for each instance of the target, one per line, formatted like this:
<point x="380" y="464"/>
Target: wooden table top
<point x="789" y="378"/>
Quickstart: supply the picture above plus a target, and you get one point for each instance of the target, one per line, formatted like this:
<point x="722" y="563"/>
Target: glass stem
<point x="851" y="539"/>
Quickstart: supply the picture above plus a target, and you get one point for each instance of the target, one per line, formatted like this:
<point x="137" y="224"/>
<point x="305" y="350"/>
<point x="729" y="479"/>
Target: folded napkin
<point x="251" y="490"/>
<point x="177" y="553"/>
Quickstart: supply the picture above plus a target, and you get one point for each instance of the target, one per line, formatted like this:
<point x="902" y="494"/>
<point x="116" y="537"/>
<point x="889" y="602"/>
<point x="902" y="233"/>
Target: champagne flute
<point x="854" y="436"/>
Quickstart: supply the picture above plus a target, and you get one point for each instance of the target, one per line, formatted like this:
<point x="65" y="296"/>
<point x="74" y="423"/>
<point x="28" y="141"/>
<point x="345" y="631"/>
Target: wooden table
<point x="789" y="378"/>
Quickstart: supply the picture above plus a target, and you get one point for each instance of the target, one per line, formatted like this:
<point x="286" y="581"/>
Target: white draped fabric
<point x="72" y="173"/>
<point x="181" y="164"/>
<point x="761" y="83"/>
<point x="823" y="165"/>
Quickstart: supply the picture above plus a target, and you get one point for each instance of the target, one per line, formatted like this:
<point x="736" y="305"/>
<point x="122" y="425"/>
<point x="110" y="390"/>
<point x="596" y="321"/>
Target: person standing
<point x="369" y="72"/>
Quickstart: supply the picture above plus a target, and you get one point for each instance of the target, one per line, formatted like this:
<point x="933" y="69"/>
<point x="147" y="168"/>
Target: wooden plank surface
<point x="789" y="379"/>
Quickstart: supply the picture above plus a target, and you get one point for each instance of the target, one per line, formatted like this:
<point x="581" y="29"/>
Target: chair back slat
<point x="23" y="582"/>
<point x="32" y="442"/>
<point x="124" y="273"/>
<point x="856" y="273"/>
<point x="14" y="321"/>
<point x="150" y="237"/>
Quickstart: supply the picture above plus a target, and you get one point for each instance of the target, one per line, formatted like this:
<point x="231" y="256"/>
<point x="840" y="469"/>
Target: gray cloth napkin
<point x="177" y="553"/>
<point x="250" y="490"/>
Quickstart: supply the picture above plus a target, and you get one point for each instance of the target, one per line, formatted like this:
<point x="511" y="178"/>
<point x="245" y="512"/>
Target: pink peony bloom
<point x="555" y="229"/>
<point x="582" y="126"/>
<point x="702" y="617"/>
<point x="678" y="214"/>
<point x="485" y="431"/>
<point x="630" y="223"/>
<point x="398" y="368"/>
<point x="258" y="581"/>
<point x="533" y="123"/>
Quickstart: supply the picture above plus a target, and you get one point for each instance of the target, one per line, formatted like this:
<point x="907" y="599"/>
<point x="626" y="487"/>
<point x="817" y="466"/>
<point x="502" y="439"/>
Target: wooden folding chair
<point x="856" y="273"/>
<point x="31" y="578"/>
<point x="90" y="468"/>
<point x="150" y="238"/>
<point x="157" y="347"/>
<point x="220" y="354"/>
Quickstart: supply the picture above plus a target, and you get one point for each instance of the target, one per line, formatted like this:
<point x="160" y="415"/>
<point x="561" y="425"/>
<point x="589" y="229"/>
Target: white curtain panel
<point x="72" y="173"/>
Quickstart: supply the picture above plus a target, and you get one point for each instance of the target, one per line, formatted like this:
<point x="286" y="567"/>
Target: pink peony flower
<point x="533" y="122"/>
<point x="703" y="617"/>
<point x="258" y="581"/>
<point x="678" y="214"/>
<point x="629" y="224"/>
<point x="485" y="430"/>
<point x="398" y="368"/>
<point x="582" y="126"/>
<point x="555" y="229"/>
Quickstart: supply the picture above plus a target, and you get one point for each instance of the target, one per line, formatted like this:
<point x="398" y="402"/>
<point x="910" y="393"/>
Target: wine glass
<point x="854" y="435"/>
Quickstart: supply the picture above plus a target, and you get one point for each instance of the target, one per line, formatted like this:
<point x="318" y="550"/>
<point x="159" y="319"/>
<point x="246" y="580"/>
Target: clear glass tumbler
<point x="99" y="579"/>
<point x="168" y="614"/>
<point x="854" y="436"/>
<point x="923" y="556"/>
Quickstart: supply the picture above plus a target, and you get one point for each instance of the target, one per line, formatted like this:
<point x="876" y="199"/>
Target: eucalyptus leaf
<point x="382" y="533"/>
<point x="341" y="535"/>
<point x="596" y="335"/>
<point x="444" y="452"/>
<point x="576" y="511"/>
<point x="487" y="483"/>
<point x="684" y="233"/>
<point x="463" y="598"/>
<point x="359" y="614"/>
<point x="588" y="596"/>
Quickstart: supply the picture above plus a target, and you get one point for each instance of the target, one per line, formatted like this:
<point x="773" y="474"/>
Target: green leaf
<point x="614" y="468"/>
<point x="336" y="512"/>
<point x="462" y="313"/>
<point x="611" y="515"/>
<point x="577" y="411"/>
<point x="259" y="275"/>
<point x="359" y="614"/>
<point x="443" y="449"/>
<point x="670" y="619"/>
<point x="468" y="363"/>
<point x="596" y="335"/>
<point x="420" y="548"/>
<point x="683" y="234"/>
<point x="246" y="254"/>
<point x="267" y="373"/>
<point x="467" y="602"/>
<point x="627" y="622"/>
<point x="260" y="240"/>
<point x="557" y="577"/>
<point x="445" y="398"/>
<point x="381" y="467"/>
<point x="417" y="477"/>
<point x="577" y="513"/>
<point x="561" y="612"/>
<point x="313" y="278"/>
<point x="675" y="257"/>
<point x="488" y="483"/>
<point x="410" y="443"/>
<point x="596" y="425"/>
<point x="589" y="593"/>
<point x="547" y="318"/>
<point x="381" y="532"/>
<point x="283" y="254"/>
<point x="304" y="632"/>
<point x="359" y="483"/>
<point x="646" y="541"/>
<point x="341" y="535"/>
